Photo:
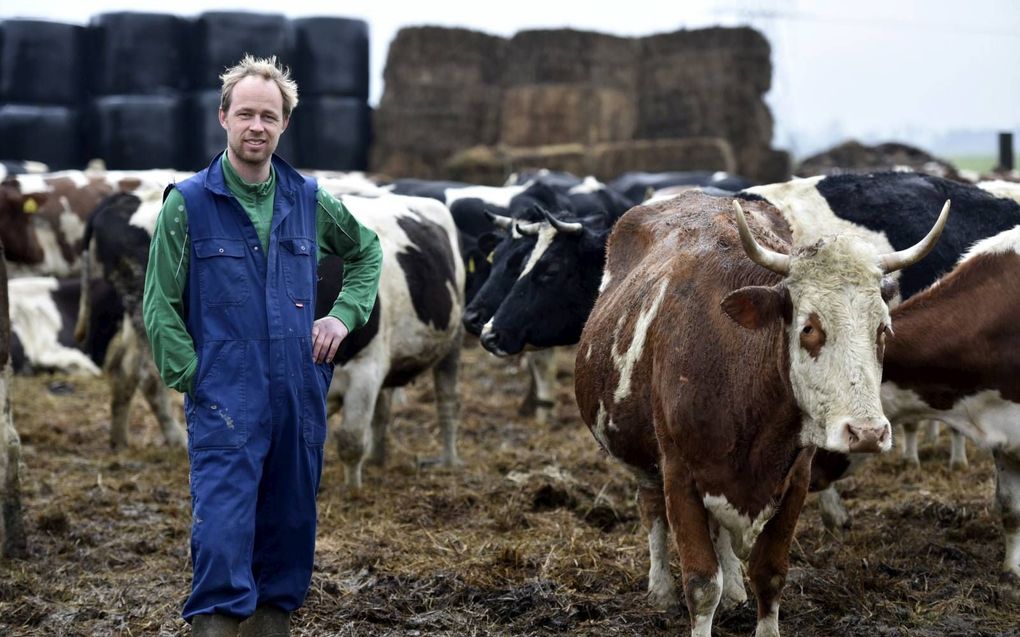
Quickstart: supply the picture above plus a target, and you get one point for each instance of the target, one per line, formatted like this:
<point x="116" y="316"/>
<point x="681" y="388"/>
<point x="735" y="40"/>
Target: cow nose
<point x="472" y="322"/>
<point x="868" y="436"/>
<point x="490" y="341"/>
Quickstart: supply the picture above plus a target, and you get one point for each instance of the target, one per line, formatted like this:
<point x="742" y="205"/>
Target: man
<point x="228" y="307"/>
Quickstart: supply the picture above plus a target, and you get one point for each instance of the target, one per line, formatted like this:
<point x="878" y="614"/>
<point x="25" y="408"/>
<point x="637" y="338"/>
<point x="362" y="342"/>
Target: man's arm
<point x="163" y="303"/>
<point x="340" y="234"/>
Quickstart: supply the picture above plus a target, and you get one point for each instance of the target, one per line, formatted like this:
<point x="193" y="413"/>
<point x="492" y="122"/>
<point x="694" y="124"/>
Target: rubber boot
<point x="268" y="621"/>
<point x="214" y="626"/>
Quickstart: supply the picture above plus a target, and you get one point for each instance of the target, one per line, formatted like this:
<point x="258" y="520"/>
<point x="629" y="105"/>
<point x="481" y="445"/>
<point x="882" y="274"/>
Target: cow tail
<point x="81" y="328"/>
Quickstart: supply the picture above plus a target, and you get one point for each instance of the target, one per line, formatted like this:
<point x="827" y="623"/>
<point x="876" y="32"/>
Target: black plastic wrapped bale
<point x="333" y="133"/>
<point x="137" y="54"/>
<point x="138" y="132"/>
<point x="220" y="39"/>
<point x="331" y="56"/>
<point x="47" y="134"/>
<point x="42" y="62"/>
<point x="208" y="138"/>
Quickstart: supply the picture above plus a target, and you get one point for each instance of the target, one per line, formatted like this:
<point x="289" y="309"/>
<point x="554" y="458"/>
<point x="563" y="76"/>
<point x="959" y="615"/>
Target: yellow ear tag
<point x="471" y="265"/>
<point x="489" y="258"/>
<point x="30" y="206"/>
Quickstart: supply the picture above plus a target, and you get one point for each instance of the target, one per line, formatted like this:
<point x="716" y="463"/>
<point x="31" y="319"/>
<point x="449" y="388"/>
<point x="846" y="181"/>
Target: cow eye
<point x="808" y="329"/>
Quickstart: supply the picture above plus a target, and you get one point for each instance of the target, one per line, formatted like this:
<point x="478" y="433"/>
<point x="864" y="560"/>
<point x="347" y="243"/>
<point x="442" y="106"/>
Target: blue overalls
<point x="257" y="417"/>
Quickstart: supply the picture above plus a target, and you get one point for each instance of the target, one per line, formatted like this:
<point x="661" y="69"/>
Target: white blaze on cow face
<point x="835" y="287"/>
<point x="546" y="234"/>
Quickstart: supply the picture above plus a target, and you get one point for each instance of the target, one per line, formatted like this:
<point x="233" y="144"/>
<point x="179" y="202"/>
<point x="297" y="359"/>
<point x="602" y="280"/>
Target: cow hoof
<point x="957" y="465"/>
<point x="665" y="601"/>
<point x="732" y="598"/>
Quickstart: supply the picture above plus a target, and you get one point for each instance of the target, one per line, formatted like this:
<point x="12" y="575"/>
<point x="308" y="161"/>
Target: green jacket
<point x="338" y="234"/>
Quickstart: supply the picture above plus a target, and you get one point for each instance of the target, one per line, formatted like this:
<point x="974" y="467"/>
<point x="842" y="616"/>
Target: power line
<point x="770" y="14"/>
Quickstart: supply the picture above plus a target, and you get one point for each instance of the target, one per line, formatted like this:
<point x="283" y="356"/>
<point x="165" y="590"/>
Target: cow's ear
<point x="756" y="306"/>
<point x="488" y="242"/>
<point x="890" y="288"/>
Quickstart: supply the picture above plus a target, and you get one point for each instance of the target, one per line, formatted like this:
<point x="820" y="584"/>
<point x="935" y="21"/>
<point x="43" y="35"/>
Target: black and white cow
<point x="638" y="186"/>
<point x="478" y="234"/>
<point x="116" y="249"/>
<point x="44" y="311"/>
<point x="414" y="327"/>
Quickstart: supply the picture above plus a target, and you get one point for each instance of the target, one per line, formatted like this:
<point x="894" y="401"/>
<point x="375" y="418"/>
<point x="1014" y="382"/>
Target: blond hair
<point x="266" y="68"/>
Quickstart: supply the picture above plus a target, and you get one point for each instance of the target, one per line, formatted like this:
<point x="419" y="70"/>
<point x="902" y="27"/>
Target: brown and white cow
<point x="955" y="356"/>
<point x="714" y="379"/>
<point x="61" y="203"/>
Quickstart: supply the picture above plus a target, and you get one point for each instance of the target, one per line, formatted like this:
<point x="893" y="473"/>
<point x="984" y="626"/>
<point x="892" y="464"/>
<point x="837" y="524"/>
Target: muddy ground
<point x="537" y="535"/>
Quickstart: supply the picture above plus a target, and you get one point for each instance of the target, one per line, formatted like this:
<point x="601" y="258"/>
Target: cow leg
<point x="1007" y="497"/>
<point x="122" y="369"/>
<point x="931" y="431"/>
<point x="158" y="397"/>
<point x="540" y="400"/>
<point x="770" y="556"/>
<point x="13" y="542"/>
<point x="702" y="575"/>
<point x="353" y="438"/>
<point x="957" y="450"/>
<point x="734" y="593"/>
<point x="910" y="443"/>
<point x="834" y="514"/>
<point x="444" y="375"/>
<point x="381" y="418"/>
<point x="652" y="505"/>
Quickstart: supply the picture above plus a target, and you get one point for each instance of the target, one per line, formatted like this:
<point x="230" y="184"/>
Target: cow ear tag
<point x="30" y="206"/>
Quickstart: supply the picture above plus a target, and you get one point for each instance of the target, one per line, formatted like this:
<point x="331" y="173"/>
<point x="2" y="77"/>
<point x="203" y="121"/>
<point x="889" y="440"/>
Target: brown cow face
<point x="17" y="232"/>
<point x="832" y="305"/>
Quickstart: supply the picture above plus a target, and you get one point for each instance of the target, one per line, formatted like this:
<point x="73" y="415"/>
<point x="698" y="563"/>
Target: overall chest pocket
<point x="221" y="271"/>
<point x="297" y="256"/>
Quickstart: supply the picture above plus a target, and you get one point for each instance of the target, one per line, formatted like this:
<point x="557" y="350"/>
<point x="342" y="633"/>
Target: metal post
<point x="1005" y="152"/>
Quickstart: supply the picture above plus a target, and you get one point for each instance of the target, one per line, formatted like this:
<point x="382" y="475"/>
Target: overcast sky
<point x="872" y="69"/>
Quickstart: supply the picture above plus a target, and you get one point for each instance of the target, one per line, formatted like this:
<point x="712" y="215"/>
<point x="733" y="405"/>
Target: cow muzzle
<point x="867" y="435"/>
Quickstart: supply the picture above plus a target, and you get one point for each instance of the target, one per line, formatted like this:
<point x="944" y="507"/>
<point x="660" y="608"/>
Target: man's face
<point x="255" y="120"/>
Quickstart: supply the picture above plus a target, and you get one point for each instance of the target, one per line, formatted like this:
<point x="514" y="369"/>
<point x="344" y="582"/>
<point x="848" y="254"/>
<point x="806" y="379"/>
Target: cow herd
<point x="737" y="346"/>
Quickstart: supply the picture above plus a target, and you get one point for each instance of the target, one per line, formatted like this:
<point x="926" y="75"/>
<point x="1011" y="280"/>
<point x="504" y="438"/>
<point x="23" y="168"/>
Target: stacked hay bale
<point x="854" y="157"/>
<point x="711" y="83"/>
<point x="583" y="102"/>
<point x="442" y="95"/>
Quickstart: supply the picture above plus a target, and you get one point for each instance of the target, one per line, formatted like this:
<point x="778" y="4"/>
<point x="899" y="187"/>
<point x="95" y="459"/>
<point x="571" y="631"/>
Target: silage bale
<point x="219" y="39"/>
<point x="49" y="134"/>
<point x="331" y="56"/>
<point x="42" y="62"/>
<point x="137" y="53"/>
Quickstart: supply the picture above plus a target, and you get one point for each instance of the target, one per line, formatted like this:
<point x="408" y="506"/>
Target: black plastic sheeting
<point x="138" y="54"/>
<point x="220" y="39"/>
<point x="333" y="133"/>
<point x="138" y="131"/>
<point x="330" y="56"/>
<point x="41" y="62"/>
<point x="49" y="134"/>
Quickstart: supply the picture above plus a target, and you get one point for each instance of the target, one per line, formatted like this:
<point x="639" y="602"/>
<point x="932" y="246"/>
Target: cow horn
<point x="566" y="227"/>
<point x="898" y="260"/>
<point x="528" y="229"/>
<point x="775" y="261"/>
<point x="499" y="220"/>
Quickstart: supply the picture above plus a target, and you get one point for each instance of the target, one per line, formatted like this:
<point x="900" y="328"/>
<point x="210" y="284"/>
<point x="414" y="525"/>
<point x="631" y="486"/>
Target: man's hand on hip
<point x="327" y="334"/>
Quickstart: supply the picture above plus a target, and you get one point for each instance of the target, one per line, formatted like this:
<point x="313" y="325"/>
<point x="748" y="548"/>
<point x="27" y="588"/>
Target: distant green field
<point x="980" y="163"/>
